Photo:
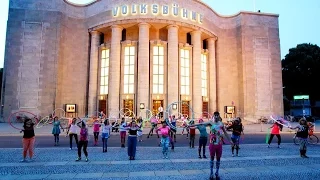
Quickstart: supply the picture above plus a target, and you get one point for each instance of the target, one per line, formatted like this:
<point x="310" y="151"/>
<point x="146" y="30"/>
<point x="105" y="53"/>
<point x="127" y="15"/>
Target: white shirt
<point x="122" y="127"/>
<point x="106" y="128"/>
<point x="73" y="129"/>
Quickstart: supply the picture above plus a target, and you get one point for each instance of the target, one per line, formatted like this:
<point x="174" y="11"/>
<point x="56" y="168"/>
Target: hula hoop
<point x="268" y="136"/>
<point x="276" y="120"/>
<point x="46" y="122"/>
<point x="9" y="118"/>
<point x="54" y="112"/>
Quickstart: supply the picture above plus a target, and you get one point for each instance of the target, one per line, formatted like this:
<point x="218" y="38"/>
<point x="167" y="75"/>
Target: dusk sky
<point x="299" y="20"/>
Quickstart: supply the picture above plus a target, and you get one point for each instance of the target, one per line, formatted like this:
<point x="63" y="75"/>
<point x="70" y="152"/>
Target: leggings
<point x="191" y="142"/>
<point x="96" y="136"/>
<point x="75" y="137"/>
<point x="215" y="150"/>
<point x="165" y="145"/>
<point x="28" y="145"/>
<point x="56" y="138"/>
<point x="278" y="136"/>
<point x="85" y="145"/>
<point x="202" y="144"/>
<point x="303" y="143"/>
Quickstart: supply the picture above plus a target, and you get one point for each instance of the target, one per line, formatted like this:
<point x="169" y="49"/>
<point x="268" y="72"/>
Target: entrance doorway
<point x="155" y="106"/>
<point x="205" y="109"/>
<point x="103" y="106"/>
<point x="128" y="107"/>
<point x="185" y="110"/>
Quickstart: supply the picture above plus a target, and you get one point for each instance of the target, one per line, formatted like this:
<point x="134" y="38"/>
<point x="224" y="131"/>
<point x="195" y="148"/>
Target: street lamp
<point x="141" y="105"/>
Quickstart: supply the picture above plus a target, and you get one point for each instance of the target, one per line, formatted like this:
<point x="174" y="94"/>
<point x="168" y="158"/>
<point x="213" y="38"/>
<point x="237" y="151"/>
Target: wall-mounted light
<point x="141" y="105"/>
<point x="174" y="106"/>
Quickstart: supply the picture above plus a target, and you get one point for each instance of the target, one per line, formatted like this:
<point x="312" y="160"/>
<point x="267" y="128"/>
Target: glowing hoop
<point x="55" y="111"/>
<point x="44" y="121"/>
<point x="276" y="118"/>
<point x="10" y="122"/>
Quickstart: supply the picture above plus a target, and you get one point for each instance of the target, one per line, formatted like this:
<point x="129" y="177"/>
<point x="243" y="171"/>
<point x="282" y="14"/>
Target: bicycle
<point x="312" y="139"/>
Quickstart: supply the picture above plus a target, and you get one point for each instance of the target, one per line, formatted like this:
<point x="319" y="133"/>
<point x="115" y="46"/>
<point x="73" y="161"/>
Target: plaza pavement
<point x="255" y="162"/>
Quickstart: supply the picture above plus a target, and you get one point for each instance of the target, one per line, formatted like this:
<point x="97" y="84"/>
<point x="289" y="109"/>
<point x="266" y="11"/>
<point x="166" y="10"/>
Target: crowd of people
<point x="166" y="130"/>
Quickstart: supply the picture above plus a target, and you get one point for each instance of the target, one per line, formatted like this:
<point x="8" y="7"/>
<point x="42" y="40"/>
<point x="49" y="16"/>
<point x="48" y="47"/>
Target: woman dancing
<point x="237" y="129"/>
<point x="275" y="131"/>
<point x="132" y="139"/>
<point x="28" y="139"/>
<point x="83" y="141"/>
<point x="56" y="130"/>
<point x="123" y="132"/>
<point x="164" y="138"/>
<point x="215" y="146"/>
<point x="302" y="134"/>
<point x="96" y="131"/>
<point x="203" y="139"/>
<point x="73" y="132"/>
<point x="106" y="128"/>
<point x="154" y="123"/>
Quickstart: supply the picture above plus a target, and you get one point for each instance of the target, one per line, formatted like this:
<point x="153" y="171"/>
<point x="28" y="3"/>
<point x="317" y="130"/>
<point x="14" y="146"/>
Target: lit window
<point x="158" y="69"/>
<point x="129" y="60"/>
<point x="204" y="77"/>
<point x="185" y="71"/>
<point x="104" y="72"/>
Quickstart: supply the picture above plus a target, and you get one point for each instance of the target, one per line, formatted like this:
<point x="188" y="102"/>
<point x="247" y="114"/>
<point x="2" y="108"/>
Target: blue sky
<point x="299" y="20"/>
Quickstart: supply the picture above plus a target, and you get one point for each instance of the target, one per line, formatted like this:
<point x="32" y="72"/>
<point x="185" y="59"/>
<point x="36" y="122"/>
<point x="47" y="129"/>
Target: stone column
<point x="212" y="75"/>
<point x="93" y="74"/>
<point x="143" y="93"/>
<point x="173" y="65"/>
<point x="114" y="70"/>
<point x="196" y="73"/>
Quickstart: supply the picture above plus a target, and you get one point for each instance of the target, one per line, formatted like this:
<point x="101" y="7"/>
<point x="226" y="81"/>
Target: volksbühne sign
<point x="155" y="9"/>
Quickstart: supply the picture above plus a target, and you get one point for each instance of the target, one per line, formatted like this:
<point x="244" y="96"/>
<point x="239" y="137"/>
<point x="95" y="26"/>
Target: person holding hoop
<point x="302" y="134"/>
<point x="56" y="130"/>
<point x="275" y="131"/>
<point x="237" y="129"/>
<point x="28" y="139"/>
<point x="73" y="132"/>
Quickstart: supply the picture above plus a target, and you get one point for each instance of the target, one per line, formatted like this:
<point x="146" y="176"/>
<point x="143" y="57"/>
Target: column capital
<point x="95" y="33"/>
<point x="143" y="24"/>
<point x="172" y="26"/>
<point x="195" y="32"/>
<point x="212" y="39"/>
<point x="116" y="27"/>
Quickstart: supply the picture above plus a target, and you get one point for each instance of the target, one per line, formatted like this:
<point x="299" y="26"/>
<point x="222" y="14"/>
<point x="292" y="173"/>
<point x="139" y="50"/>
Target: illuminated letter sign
<point x="155" y="9"/>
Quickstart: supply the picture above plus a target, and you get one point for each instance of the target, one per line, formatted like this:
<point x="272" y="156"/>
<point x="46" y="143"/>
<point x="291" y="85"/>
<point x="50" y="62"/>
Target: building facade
<point x="122" y="54"/>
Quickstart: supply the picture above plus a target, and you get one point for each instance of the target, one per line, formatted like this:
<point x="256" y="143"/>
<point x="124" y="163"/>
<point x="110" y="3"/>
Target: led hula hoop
<point x="280" y="120"/>
<point x="54" y="112"/>
<point x="44" y="121"/>
<point x="21" y="115"/>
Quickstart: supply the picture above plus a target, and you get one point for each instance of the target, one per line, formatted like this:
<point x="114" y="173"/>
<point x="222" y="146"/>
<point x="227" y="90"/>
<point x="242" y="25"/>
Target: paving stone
<point x="62" y="176"/>
<point x="9" y="177"/>
<point x="120" y="162"/>
<point x="115" y="174"/>
<point x="140" y="174"/>
<point x="240" y="170"/>
<point x="33" y="176"/>
<point x="180" y="160"/>
<point x="160" y="161"/>
<point x="189" y="172"/>
<point x="89" y="175"/>
<point x="167" y="173"/>
<point x="140" y="161"/>
<point x="100" y="162"/>
<point x="56" y="163"/>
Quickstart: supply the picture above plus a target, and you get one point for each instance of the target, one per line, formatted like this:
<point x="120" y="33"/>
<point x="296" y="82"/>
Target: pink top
<point x="275" y="129"/>
<point x="164" y="130"/>
<point x="154" y="120"/>
<point x="96" y="127"/>
<point x="83" y="134"/>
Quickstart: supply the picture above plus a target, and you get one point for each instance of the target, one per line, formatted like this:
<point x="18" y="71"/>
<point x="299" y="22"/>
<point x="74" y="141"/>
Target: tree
<point x="301" y="71"/>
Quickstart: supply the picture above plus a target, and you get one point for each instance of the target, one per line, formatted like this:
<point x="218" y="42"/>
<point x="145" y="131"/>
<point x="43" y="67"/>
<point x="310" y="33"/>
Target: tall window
<point x="185" y="71"/>
<point x="204" y="76"/>
<point x="158" y="69"/>
<point x="104" y="72"/>
<point x="129" y="60"/>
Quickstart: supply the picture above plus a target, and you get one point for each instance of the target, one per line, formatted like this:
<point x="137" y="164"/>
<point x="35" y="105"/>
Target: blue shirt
<point x="203" y="131"/>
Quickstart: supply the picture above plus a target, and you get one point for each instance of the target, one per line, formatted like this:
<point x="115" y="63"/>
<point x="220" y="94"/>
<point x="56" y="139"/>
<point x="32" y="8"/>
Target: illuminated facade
<point x="112" y="55"/>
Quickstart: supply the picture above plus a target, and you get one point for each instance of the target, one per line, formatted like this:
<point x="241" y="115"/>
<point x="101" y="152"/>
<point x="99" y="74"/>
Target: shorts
<point x="154" y="125"/>
<point x="235" y="139"/>
<point x="105" y="135"/>
<point x="215" y="150"/>
<point x="123" y="134"/>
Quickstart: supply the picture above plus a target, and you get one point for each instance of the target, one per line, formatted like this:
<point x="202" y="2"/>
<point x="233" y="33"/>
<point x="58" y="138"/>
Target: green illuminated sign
<point x="301" y="97"/>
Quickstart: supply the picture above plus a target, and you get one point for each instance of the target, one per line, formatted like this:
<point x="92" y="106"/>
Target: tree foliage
<point x="301" y="71"/>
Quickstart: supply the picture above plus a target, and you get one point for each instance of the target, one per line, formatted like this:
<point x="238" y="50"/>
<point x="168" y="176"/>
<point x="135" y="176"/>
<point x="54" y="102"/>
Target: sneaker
<point x="23" y="160"/>
<point x="304" y="156"/>
<point x="70" y="149"/>
<point x="167" y="157"/>
<point x="204" y="156"/>
<point x="87" y="159"/>
<point x="268" y="146"/>
<point x="78" y="159"/>
<point x="279" y="147"/>
<point x="232" y="155"/>
<point x="237" y="155"/>
<point x="163" y="157"/>
<point x="200" y="157"/>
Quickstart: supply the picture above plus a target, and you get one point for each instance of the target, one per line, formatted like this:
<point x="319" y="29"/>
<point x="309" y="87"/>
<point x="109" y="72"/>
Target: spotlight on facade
<point x="141" y="105"/>
<point x="174" y="106"/>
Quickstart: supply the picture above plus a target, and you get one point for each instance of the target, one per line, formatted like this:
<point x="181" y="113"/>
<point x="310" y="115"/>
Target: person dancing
<point x="106" y="128"/>
<point x="96" y="131"/>
<point x="28" y="139"/>
<point x="302" y="134"/>
<point x="275" y="131"/>
<point x="154" y="123"/>
<point x="132" y="139"/>
<point x="215" y="143"/>
<point x="123" y="132"/>
<point x="237" y="129"/>
<point x="164" y="130"/>
<point x="203" y="139"/>
<point x="56" y="130"/>
<point x="73" y="132"/>
<point x="83" y="141"/>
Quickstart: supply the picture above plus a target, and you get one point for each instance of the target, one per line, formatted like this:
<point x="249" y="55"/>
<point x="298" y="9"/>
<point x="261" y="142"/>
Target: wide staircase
<point x="254" y="162"/>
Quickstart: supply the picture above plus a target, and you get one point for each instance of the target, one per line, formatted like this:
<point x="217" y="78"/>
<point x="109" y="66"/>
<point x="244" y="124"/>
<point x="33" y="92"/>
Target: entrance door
<point x="103" y="106"/>
<point x="155" y="106"/>
<point x="185" y="108"/>
<point x="128" y="107"/>
<point x="205" y="110"/>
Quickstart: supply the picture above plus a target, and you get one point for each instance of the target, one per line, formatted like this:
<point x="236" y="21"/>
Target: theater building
<point x="123" y="54"/>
